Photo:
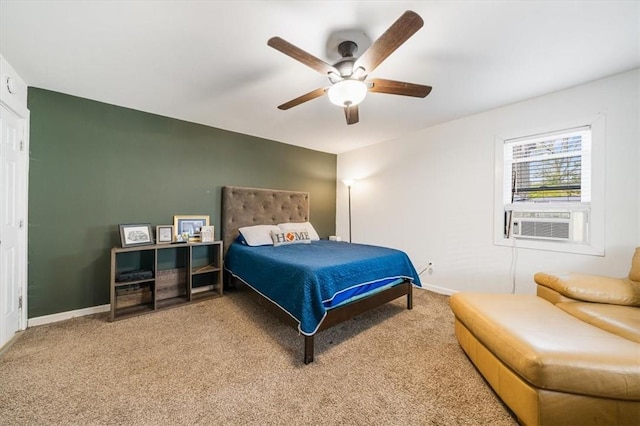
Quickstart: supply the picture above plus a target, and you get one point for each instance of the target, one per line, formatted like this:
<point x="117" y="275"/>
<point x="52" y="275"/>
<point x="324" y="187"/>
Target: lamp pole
<point x="349" y="188"/>
<point x="349" y="183"/>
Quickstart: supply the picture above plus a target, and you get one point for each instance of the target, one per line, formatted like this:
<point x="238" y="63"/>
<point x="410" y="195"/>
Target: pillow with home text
<point x="307" y="226"/>
<point x="293" y="236"/>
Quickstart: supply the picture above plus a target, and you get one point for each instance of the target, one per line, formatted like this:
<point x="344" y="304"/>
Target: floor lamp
<point x="349" y="183"/>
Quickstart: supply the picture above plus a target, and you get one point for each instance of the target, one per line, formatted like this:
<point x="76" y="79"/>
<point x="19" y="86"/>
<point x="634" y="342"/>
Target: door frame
<point x="13" y="97"/>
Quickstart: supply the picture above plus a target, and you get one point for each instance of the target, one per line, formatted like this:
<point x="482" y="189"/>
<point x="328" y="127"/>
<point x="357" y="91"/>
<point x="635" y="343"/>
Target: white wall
<point x="431" y="193"/>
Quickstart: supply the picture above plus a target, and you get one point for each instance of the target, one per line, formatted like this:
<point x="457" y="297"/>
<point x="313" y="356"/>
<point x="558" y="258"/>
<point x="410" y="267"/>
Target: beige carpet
<point x="226" y="361"/>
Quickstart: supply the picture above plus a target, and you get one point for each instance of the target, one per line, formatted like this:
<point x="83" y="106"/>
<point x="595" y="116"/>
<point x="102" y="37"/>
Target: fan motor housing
<point x="347" y="50"/>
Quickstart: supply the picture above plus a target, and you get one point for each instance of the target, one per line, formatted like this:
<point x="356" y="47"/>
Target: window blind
<point x="553" y="167"/>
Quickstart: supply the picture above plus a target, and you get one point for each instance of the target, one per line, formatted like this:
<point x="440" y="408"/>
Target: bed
<point x="310" y="286"/>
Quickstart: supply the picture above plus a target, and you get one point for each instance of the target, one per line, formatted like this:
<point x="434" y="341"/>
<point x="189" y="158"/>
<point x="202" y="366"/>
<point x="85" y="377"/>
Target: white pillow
<point x="307" y="226"/>
<point x="294" y="236"/>
<point x="258" y="235"/>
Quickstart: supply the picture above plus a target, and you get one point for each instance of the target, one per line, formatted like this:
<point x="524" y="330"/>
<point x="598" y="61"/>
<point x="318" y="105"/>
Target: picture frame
<point x="135" y="234"/>
<point x="164" y="234"/>
<point x="190" y="224"/>
<point x="207" y="234"/>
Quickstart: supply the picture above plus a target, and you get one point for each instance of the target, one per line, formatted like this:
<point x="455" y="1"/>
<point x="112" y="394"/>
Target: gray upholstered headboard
<point x="255" y="206"/>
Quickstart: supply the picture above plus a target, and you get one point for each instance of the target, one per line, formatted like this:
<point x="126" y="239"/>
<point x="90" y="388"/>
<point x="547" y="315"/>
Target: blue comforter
<point x="301" y="277"/>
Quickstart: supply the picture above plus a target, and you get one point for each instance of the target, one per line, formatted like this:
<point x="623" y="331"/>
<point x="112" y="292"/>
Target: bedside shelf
<point x="205" y="269"/>
<point x="170" y="302"/>
<point x="134" y="282"/>
<point x="133" y="311"/>
<point x="181" y="274"/>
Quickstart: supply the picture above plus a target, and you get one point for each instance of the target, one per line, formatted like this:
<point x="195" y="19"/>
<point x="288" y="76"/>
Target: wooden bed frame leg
<point x="308" y="349"/>
<point x="410" y="297"/>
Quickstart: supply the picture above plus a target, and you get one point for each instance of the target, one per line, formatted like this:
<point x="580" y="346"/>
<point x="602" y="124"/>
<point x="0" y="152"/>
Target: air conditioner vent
<point x="570" y="226"/>
<point x="544" y="229"/>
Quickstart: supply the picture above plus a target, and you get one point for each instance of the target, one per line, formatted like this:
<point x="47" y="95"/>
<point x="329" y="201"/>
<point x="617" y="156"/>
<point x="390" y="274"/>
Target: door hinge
<point x="20" y="302"/>
<point x="21" y="145"/>
<point x="21" y="224"/>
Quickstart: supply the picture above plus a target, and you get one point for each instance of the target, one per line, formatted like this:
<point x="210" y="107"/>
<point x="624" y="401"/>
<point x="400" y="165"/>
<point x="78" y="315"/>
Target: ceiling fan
<point x="348" y="77"/>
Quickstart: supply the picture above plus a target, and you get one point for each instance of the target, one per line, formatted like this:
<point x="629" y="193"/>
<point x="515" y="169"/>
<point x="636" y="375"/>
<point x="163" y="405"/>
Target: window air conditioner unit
<point x="568" y="226"/>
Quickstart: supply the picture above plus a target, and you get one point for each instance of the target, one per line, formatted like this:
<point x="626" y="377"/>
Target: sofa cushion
<point x="621" y="320"/>
<point x="592" y="288"/>
<point x="549" y="348"/>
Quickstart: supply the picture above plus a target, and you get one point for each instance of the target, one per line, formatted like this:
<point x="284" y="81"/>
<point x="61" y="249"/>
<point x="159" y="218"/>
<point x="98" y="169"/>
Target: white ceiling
<point x="208" y="61"/>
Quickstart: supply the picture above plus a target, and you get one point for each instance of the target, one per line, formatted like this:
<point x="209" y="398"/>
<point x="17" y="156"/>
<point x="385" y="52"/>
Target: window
<point x="549" y="168"/>
<point x="545" y="189"/>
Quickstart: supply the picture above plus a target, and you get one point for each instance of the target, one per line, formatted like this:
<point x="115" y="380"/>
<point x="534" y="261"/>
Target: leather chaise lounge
<point x="568" y="356"/>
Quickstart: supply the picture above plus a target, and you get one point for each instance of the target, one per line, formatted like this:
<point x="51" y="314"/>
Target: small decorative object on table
<point x="136" y="234"/>
<point x="181" y="238"/>
<point x="207" y="234"/>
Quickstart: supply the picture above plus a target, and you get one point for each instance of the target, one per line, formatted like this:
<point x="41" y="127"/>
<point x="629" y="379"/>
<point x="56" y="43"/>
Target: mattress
<point x="307" y="280"/>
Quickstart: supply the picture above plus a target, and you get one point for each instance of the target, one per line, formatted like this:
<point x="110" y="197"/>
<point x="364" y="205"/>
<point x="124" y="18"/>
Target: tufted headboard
<point x="255" y="206"/>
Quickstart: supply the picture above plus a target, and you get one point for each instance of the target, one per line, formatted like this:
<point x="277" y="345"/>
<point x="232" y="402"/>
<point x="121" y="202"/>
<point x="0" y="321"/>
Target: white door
<point x="12" y="242"/>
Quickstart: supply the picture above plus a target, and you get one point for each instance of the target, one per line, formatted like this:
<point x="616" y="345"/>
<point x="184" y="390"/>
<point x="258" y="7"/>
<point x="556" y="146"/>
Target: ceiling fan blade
<point x="304" y="98"/>
<point x="399" y="32"/>
<point x="351" y="114"/>
<point x="301" y="56"/>
<point x="380" y="85"/>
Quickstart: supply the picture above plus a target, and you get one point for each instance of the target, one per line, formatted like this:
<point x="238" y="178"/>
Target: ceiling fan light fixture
<point x="347" y="93"/>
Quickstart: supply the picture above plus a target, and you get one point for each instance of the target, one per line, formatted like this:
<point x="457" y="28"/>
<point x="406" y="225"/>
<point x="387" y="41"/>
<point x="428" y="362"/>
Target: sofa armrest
<point x="592" y="288"/>
<point x="550" y="295"/>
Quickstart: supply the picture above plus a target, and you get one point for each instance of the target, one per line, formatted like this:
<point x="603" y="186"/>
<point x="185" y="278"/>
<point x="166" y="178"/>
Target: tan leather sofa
<point x="568" y="356"/>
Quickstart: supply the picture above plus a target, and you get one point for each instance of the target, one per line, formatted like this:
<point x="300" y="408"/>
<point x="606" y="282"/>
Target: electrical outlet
<point x="430" y="268"/>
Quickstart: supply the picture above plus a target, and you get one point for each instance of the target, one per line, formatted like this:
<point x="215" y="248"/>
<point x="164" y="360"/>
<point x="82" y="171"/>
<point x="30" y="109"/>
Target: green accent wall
<point x="94" y="166"/>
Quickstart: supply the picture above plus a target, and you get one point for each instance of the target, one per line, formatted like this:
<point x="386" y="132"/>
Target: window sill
<point x="555" y="246"/>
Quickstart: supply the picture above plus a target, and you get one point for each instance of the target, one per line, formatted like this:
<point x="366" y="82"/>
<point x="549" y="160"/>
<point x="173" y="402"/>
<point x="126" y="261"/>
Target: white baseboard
<point x="61" y="316"/>
<point x="437" y="289"/>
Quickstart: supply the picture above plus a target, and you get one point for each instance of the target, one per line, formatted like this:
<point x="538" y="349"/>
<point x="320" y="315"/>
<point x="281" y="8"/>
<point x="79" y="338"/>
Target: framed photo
<point x="190" y="224"/>
<point x="207" y="234"/>
<point x="136" y="234"/>
<point x="164" y="234"/>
